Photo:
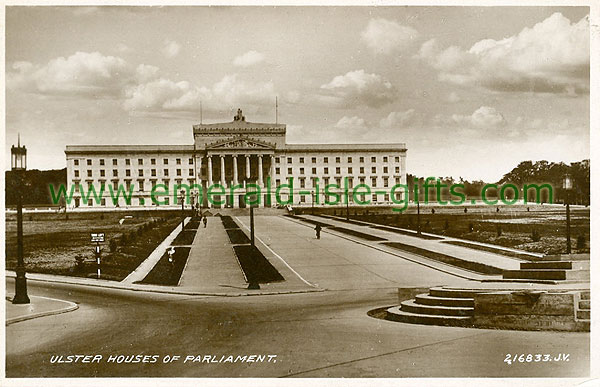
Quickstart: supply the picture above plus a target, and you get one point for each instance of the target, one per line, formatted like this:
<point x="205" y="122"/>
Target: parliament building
<point x="233" y="155"/>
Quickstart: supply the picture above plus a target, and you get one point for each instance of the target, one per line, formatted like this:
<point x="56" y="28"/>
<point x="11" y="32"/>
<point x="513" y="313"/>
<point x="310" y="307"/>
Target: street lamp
<point x="418" y="216"/>
<point x="18" y="166"/>
<point x="567" y="186"/>
<point x="182" y="198"/>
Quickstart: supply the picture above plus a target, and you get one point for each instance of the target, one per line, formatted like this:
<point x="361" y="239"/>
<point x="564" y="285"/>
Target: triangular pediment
<point x="240" y="142"/>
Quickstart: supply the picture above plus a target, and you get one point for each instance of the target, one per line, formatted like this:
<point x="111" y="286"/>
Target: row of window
<point x="128" y="161"/>
<point x="338" y="181"/>
<point x="338" y="170"/>
<point x="338" y="159"/>
<point x="115" y="172"/>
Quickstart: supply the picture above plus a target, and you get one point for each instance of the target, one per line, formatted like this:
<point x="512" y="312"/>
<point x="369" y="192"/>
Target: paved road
<point x="325" y="334"/>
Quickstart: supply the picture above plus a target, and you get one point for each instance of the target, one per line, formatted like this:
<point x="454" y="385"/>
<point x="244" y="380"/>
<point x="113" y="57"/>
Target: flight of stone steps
<point x="569" y="268"/>
<point x="456" y="307"/>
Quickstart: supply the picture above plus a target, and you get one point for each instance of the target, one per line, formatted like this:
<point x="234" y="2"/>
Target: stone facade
<point x="233" y="155"/>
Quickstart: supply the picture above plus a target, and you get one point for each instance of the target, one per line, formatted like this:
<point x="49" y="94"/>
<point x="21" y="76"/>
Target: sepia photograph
<point x="352" y="194"/>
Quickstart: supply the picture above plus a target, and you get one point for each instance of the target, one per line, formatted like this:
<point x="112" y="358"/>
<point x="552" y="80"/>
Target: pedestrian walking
<point x="204" y="221"/>
<point x="318" y="231"/>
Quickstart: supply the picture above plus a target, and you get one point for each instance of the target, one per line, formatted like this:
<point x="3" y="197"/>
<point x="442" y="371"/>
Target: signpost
<point x="97" y="237"/>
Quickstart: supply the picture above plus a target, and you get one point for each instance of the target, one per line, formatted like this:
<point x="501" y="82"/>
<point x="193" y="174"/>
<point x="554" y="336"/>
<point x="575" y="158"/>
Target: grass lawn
<point x="51" y="242"/>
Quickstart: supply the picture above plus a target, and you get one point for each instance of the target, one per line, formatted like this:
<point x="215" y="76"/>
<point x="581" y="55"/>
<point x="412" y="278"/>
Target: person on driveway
<point x="318" y="231"/>
<point x="204" y="221"/>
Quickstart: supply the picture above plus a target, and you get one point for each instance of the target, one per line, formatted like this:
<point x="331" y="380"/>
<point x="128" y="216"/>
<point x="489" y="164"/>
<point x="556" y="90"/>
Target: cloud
<point x="386" y="36"/>
<point x="551" y="57"/>
<point x="484" y="117"/>
<point x="81" y="74"/>
<point x="164" y="95"/>
<point x="453" y="97"/>
<point x="122" y="47"/>
<point x="171" y="48"/>
<point x="397" y="119"/>
<point x="351" y="123"/>
<point x="357" y="88"/>
<point x="248" y="59"/>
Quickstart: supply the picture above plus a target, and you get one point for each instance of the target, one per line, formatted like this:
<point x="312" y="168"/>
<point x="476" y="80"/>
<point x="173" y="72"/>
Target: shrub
<point x="112" y="245"/>
<point x="535" y="235"/>
<point x="470" y="226"/>
<point x="446" y="225"/>
<point x="499" y="230"/>
<point x="581" y="242"/>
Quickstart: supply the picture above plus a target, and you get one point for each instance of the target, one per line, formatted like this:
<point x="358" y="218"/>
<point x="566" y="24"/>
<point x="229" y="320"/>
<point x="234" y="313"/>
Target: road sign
<point x="97" y="236"/>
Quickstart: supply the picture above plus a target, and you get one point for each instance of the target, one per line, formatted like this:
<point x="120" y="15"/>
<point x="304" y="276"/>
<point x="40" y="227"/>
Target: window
<point x="102" y="173"/>
<point x="397" y="159"/>
<point x="166" y="172"/>
<point x="338" y="170"/>
<point x="373" y="169"/>
<point x="141" y="185"/>
<point x="325" y="160"/>
<point x="178" y="171"/>
<point x="302" y="199"/>
<point x="374" y="197"/>
<point x="361" y="159"/>
<point x="115" y="162"/>
<point x="326" y="170"/>
<point x="314" y="160"/>
<point x="337" y="160"/>
<point x="277" y="171"/>
<point x="385" y="159"/>
<point x="314" y="171"/>
<point x="289" y="171"/>
<point x="289" y="160"/>
<point x="127" y="162"/>
<point x="77" y="187"/>
<point x="373" y="159"/>
<point x="362" y="180"/>
<point x="301" y="160"/>
<point x="178" y="161"/>
<point x="277" y="182"/>
<point x="153" y="161"/>
<point x="302" y="183"/>
<point x="76" y="173"/>
<point x="397" y="169"/>
<point x="76" y="162"/>
<point x="191" y="172"/>
<point x="397" y="180"/>
<point x="349" y="169"/>
<point x="374" y="181"/>
<point x="89" y="173"/>
<point x="350" y="182"/>
<point x="362" y="169"/>
<point x="386" y="197"/>
<point x="191" y="161"/>
<point x="349" y="159"/>
<point x="302" y="171"/>
<point x="153" y="172"/>
<point x="326" y="180"/>
<point x="338" y="181"/>
<point x="385" y="169"/>
<point x="140" y="172"/>
<point x="277" y="160"/>
<point x="89" y="162"/>
<point x="101" y="161"/>
<point x="90" y="203"/>
<point x="115" y="185"/>
<point x="140" y="161"/>
<point x="166" y="161"/>
<point x="115" y="172"/>
<point x="385" y="182"/>
<point x="128" y="172"/>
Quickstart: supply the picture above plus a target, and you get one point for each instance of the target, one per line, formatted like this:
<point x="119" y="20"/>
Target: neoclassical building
<point x="232" y="155"/>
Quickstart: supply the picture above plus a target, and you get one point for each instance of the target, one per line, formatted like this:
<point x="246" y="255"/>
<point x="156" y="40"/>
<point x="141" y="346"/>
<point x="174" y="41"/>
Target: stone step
<point x="584" y="314"/>
<point x="426" y="299"/>
<point x="585" y="304"/>
<point x="585" y="295"/>
<point x="412" y="307"/>
<point x="453" y="293"/>
<point x="565" y="265"/>
<point x="547" y="274"/>
<point x="565" y="257"/>
<point x="395" y="314"/>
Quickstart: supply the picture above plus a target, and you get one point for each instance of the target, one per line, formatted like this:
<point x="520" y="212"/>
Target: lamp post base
<point x="21" y="296"/>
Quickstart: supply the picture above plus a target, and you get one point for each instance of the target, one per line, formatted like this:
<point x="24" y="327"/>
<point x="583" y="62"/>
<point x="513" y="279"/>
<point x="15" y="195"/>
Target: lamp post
<point x="568" y="185"/>
<point x="182" y="198"/>
<point x="418" y="216"/>
<point x="18" y="166"/>
<point x="252" y="205"/>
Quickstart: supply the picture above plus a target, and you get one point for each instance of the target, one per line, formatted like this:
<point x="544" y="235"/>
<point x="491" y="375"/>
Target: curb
<point x="71" y="307"/>
<point x="141" y="288"/>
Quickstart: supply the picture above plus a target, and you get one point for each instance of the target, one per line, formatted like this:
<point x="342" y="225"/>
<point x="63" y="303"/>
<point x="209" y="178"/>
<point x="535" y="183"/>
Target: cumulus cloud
<point x="386" y="36"/>
<point x="398" y="119"/>
<point x="551" y="57"/>
<point x="357" y="88"/>
<point x="484" y="117"/>
<point x="81" y="74"/>
<point x="351" y="123"/>
<point x="171" y="48"/>
<point x="248" y="59"/>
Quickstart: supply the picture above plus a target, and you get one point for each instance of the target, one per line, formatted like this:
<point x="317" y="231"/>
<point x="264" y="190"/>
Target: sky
<point x="472" y="91"/>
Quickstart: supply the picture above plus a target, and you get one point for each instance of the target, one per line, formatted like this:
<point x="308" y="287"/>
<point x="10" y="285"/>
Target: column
<point x="235" y="170"/>
<point x="260" y="171"/>
<point x="222" y="170"/>
<point x="198" y="172"/>
<point x="247" y="166"/>
<point x="210" y="176"/>
<point x="403" y="168"/>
